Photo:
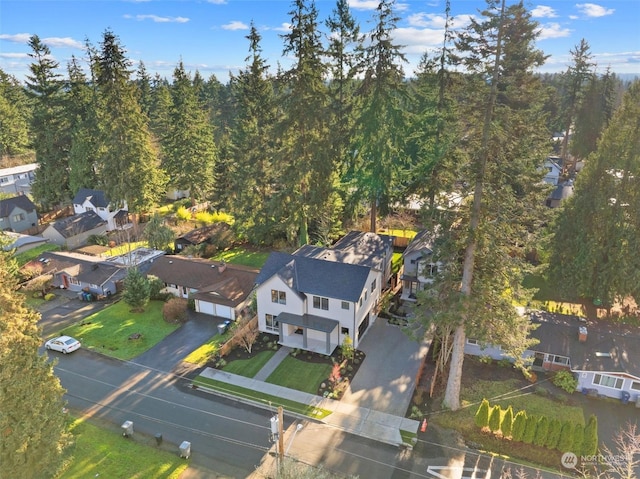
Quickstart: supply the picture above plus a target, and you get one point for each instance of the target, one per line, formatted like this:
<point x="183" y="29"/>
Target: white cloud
<point x="235" y="25"/>
<point x="158" y="19"/>
<point x="594" y="10"/>
<point x="284" y="27"/>
<point x="62" y="42"/>
<point x="553" y="30"/>
<point x="16" y="38"/>
<point x="15" y="55"/>
<point x="418" y="40"/>
<point x="573" y="17"/>
<point x="363" y="4"/>
<point x="543" y="11"/>
<point x="434" y="20"/>
<point x="217" y="2"/>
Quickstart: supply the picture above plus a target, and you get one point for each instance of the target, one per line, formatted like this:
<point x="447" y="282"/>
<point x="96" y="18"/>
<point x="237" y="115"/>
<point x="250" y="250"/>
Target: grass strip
<point x="408" y="437"/>
<point x="300" y="375"/>
<point x="262" y="398"/>
<point x="249" y="367"/>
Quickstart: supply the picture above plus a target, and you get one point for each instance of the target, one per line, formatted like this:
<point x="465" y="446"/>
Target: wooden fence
<point x="229" y="344"/>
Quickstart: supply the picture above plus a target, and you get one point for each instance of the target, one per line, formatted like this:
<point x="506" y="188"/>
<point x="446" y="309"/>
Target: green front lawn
<point x="300" y="375"/>
<point x="201" y="356"/>
<point x="108" y="331"/>
<point x="26" y="256"/>
<point x="98" y="452"/>
<point x="249" y="367"/>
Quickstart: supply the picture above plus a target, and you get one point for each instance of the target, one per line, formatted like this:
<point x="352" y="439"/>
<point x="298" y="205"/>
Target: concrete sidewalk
<point x="350" y="418"/>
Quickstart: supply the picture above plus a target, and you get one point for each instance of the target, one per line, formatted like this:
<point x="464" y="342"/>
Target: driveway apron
<point x="386" y="378"/>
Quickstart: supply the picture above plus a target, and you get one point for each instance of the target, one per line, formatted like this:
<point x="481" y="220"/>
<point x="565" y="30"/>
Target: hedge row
<point x="564" y="436"/>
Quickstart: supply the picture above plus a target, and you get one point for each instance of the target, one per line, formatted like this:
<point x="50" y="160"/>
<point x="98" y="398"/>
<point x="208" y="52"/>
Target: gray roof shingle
<point x="77" y="224"/>
<point x="8" y="204"/>
<point x="96" y="197"/>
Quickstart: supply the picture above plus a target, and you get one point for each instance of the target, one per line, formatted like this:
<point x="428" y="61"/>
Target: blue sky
<point x="209" y="35"/>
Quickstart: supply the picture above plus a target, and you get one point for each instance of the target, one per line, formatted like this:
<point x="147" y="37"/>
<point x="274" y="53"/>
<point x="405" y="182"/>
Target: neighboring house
<point x="95" y="200"/>
<point x="313" y="304"/>
<point x="176" y="194"/>
<point x="559" y="194"/>
<point x="73" y="232"/>
<point x="17" y="179"/>
<point x="78" y="272"/>
<point x="19" y="243"/>
<point x="602" y="357"/>
<point x="419" y="269"/>
<point x="201" y="235"/>
<point x="218" y="289"/>
<point x="553" y="169"/>
<point x="18" y="214"/>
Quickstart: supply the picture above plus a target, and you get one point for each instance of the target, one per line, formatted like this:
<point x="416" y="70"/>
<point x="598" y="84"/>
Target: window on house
<point x="344" y="330"/>
<point x="321" y="303"/>
<point x="88" y="208"/>
<point x="635" y="385"/>
<point x="373" y="285"/>
<point x="18" y="217"/>
<point x="73" y="280"/>
<point x="432" y="269"/>
<point x="608" y="381"/>
<point x="278" y="296"/>
<point x="271" y="322"/>
<point x="365" y="295"/>
<point x="413" y="261"/>
<point x="560" y="360"/>
<point x="4" y="179"/>
<point x="472" y="341"/>
<point x="345" y="305"/>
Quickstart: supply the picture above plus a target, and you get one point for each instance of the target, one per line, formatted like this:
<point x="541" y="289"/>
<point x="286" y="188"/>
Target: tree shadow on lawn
<point x="328" y="387"/>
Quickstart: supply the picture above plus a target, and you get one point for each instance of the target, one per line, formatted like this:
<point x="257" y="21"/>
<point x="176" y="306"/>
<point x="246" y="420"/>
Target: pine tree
<point x="128" y="164"/>
<point x="553" y="436"/>
<point x="519" y="425"/>
<point x="49" y="124"/>
<point x="494" y="419"/>
<point x="530" y="429"/>
<point x="565" y="443"/>
<point x="158" y="235"/>
<point x="136" y="290"/>
<point x="189" y="150"/>
<point x="14" y="115"/>
<point x="32" y="423"/>
<point x="506" y="426"/>
<point x="380" y="119"/>
<point x="590" y="442"/>
<point x="542" y="430"/>
<point x="482" y="415"/>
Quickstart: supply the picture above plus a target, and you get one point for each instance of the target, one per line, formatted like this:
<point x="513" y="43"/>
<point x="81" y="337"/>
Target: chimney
<point x="582" y="334"/>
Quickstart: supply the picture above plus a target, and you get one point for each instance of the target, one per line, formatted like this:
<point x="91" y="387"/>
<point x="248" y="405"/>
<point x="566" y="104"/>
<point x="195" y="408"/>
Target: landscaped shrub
<point x="494" y="419"/>
<point x="49" y="296"/>
<point x="542" y="429"/>
<point x="175" y="310"/>
<point x="565" y="380"/>
<point x="506" y="426"/>
<point x="553" y="436"/>
<point x="183" y="214"/>
<point x="565" y="443"/>
<point x="578" y="438"/>
<point x="155" y="286"/>
<point x="519" y="423"/>
<point x="482" y="414"/>
<point x="530" y="429"/>
<point x="101" y="240"/>
<point x="590" y="442"/>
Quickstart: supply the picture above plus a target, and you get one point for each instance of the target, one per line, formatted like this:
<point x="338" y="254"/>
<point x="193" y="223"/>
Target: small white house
<point x="95" y="200"/>
<point x="419" y="267"/>
<point x="553" y="169"/>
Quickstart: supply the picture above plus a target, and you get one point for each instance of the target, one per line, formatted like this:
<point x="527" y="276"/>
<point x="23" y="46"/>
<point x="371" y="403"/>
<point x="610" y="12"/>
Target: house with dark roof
<point x="218" y="289"/>
<point x="19" y="243"/>
<point x="602" y="356"/>
<point x="95" y="200"/>
<point x="419" y="268"/>
<point x="313" y="303"/>
<point x="198" y="236"/>
<point x="560" y="193"/>
<point x="17" y="179"/>
<point x="78" y="272"/>
<point x="74" y="231"/>
<point x="17" y="214"/>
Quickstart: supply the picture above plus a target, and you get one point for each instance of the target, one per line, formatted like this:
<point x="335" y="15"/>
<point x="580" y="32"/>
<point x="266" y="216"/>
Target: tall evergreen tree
<point x="542" y="430"/>
<point x="14" y="117"/>
<point x="565" y="443"/>
<point x="253" y="143"/>
<point x="189" y="150"/>
<point x="128" y="163"/>
<point x="381" y="119"/>
<point x="506" y="425"/>
<point x="49" y="125"/>
<point x="519" y="425"/>
<point x="32" y="423"/>
<point x="596" y="236"/>
<point x="590" y="442"/>
<point x="482" y="414"/>
<point x="483" y="246"/>
<point x="304" y="164"/>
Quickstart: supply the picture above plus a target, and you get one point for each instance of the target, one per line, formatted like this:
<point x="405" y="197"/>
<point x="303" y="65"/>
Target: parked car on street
<point x="64" y="344"/>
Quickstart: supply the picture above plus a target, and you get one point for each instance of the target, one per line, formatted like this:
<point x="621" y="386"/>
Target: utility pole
<point x="280" y="435"/>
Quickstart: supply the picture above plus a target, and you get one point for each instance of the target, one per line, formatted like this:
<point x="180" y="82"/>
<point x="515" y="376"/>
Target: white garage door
<point x="224" y="311"/>
<point x="204" y="307"/>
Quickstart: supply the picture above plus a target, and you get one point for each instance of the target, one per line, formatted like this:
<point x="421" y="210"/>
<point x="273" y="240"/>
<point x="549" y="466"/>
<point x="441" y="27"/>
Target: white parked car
<point x="64" y="344"/>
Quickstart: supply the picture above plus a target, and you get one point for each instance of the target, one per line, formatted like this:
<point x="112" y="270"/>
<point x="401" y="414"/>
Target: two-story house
<point x="18" y="214"/>
<point x="17" y="179"/>
<point x="313" y="304"/>
<point x="419" y="267"/>
<point x="95" y="200"/>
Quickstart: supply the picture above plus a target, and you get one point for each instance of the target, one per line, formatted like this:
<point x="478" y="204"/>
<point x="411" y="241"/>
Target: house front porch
<point x="308" y="332"/>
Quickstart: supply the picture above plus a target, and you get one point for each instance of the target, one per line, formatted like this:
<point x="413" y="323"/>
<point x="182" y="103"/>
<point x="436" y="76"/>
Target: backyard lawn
<point x="243" y="257"/>
<point x="300" y="375"/>
<point x="108" y="331"/>
<point x="102" y="452"/>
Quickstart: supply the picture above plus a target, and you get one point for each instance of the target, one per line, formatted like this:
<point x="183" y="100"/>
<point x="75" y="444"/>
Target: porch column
<point x="280" y="329"/>
<point x="304" y="338"/>
<point x="328" y="342"/>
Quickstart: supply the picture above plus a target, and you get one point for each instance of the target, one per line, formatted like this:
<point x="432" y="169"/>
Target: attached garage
<point x="213" y="309"/>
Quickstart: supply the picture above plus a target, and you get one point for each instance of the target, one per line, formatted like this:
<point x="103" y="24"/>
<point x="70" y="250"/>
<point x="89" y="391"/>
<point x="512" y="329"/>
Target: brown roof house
<point x="74" y="231"/>
<point x="206" y="234"/>
<point x="218" y="289"/>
